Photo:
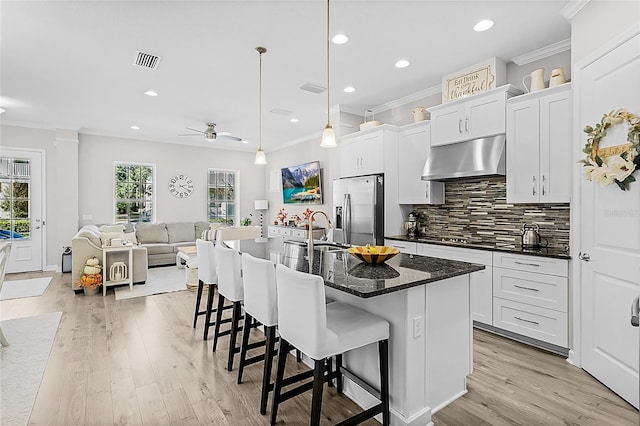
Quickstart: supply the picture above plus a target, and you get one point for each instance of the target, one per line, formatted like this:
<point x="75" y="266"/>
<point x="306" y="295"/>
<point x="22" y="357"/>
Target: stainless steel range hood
<point x="472" y="158"/>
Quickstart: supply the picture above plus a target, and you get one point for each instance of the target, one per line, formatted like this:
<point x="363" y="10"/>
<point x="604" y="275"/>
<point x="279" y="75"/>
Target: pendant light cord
<point x="260" y="50"/>
<point x="328" y="101"/>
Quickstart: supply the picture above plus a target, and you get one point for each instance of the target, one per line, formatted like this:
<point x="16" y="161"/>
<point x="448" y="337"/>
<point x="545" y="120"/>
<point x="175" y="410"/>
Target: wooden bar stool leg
<point x="316" y="398"/>
<point x="207" y="317"/>
<point x="216" y="331"/>
<point x="383" y="351"/>
<point x="283" y="350"/>
<point x="330" y="370"/>
<point x="268" y="364"/>
<point x="246" y="331"/>
<point x="198" y="298"/>
<point x="235" y="324"/>
<point x="339" y="378"/>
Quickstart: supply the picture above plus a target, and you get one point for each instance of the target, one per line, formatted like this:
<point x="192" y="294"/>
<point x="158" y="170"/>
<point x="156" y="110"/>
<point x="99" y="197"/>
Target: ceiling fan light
<point x="328" y="137"/>
<point x="261" y="159"/>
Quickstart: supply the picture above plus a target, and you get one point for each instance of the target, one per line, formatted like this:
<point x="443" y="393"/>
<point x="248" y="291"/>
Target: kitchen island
<point x="426" y="301"/>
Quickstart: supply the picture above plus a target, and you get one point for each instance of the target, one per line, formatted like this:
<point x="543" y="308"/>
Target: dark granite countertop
<point x="401" y="272"/>
<point x="552" y="252"/>
<point x="344" y="272"/>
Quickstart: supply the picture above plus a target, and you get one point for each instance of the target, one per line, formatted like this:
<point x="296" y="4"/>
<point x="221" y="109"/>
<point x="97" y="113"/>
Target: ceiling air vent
<point x="146" y="60"/>
<point x="313" y="88"/>
<point x="280" y="111"/>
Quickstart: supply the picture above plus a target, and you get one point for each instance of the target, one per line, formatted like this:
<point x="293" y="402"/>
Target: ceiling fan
<point x="210" y="133"/>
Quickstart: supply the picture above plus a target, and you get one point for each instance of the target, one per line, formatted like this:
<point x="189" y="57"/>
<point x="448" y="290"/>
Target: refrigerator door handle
<point x="347" y="218"/>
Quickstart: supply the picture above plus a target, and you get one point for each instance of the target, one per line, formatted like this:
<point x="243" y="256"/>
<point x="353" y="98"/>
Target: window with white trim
<point x="133" y="192"/>
<point x="222" y="202"/>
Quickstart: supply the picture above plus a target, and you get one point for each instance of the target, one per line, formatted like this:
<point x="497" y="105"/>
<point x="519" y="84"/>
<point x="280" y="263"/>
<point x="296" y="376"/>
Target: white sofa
<point x="156" y="244"/>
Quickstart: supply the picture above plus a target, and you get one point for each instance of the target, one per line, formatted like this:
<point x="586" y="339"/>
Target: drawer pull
<point x="525" y="263"/>
<point x="526" y="288"/>
<point x="526" y="320"/>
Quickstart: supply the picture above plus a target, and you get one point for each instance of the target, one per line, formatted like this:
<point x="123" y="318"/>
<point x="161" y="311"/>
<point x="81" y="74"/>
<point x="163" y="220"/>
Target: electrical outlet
<point x="417" y="327"/>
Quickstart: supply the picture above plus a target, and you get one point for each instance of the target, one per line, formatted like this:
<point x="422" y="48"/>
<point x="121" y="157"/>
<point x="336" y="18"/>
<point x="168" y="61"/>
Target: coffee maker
<point x="411" y="225"/>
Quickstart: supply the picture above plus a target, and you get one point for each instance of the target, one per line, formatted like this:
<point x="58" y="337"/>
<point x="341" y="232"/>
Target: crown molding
<point x="434" y="90"/>
<point x="572" y="8"/>
<point x="543" y="52"/>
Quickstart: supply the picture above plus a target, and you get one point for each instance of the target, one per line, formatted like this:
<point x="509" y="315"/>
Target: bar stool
<point x="322" y="331"/>
<point x="206" y="276"/>
<point x="229" y="287"/>
<point x="261" y="304"/>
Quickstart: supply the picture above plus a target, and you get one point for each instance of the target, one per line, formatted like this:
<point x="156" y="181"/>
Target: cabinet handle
<point x="544" y="179"/>
<point x="526" y="288"/>
<point x="533" y="188"/>
<point x="526" y="320"/>
<point x="460" y="125"/>
<point x="525" y="263"/>
<point x="466" y="124"/>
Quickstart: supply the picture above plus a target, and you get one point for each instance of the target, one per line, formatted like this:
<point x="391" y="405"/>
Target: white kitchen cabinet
<point x="291" y="232"/>
<point x="471" y="117"/>
<point x="539" y="146"/>
<point x="481" y="281"/>
<point x="530" y="296"/>
<point x="362" y="154"/>
<point x="407" y="247"/>
<point x="375" y="151"/>
<point x="413" y="149"/>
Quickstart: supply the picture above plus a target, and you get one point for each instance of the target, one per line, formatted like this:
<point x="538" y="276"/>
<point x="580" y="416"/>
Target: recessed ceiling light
<point x="294" y="120"/>
<point x="402" y="63"/>
<point x="245" y="141"/>
<point x="483" y="25"/>
<point x="135" y="128"/>
<point x="349" y="89"/>
<point x="339" y="39"/>
<point x="1" y="110"/>
<point x="151" y="93"/>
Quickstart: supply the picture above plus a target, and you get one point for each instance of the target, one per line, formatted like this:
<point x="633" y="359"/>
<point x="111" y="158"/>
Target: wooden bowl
<point x="373" y="255"/>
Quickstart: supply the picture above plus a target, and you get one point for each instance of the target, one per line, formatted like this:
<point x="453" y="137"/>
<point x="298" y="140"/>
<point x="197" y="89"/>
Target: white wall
<point x="97" y="155"/>
<point x="599" y="22"/>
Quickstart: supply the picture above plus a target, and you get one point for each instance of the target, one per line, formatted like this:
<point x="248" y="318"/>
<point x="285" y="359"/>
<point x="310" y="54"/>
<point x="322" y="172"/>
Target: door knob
<point x="584" y="256"/>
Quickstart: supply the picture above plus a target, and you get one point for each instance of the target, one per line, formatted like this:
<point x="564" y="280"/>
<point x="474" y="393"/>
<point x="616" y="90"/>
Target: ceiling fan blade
<point x="229" y="137"/>
<point x="190" y="134"/>
<point x="195" y="130"/>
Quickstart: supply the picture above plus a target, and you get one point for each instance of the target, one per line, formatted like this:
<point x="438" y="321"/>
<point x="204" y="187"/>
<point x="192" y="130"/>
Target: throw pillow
<point x="208" y="235"/>
<point x="112" y="228"/>
<point x="106" y="237"/>
<point x="129" y="238"/>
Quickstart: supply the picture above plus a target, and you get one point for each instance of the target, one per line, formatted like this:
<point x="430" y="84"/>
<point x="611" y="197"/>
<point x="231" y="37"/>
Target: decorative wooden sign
<point x="469" y="84"/>
<point x="477" y="78"/>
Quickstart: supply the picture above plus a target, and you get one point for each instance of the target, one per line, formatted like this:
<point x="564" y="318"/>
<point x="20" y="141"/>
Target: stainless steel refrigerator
<point x="358" y="210"/>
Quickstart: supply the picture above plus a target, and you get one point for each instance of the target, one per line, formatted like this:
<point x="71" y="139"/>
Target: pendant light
<point x="261" y="159"/>
<point x="328" y="135"/>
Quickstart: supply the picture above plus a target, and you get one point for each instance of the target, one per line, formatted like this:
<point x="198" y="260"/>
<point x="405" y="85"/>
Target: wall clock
<point x="181" y="186"/>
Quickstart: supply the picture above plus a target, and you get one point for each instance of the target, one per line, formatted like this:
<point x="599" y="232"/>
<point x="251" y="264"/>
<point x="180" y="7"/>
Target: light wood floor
<point x="138" y="361"/>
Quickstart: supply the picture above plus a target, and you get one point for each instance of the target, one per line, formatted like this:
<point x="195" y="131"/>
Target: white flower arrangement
<point x="618" y="168"/>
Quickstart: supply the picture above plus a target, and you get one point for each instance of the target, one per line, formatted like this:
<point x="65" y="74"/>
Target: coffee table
<point x="184" y="254"/>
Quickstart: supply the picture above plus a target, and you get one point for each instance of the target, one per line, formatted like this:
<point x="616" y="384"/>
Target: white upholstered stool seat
<point x="321" y="331"/>
<point x="228" y="267"/>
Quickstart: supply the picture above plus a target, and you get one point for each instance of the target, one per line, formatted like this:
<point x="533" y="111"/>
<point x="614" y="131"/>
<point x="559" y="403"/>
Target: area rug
<point x="159" y="280"/>
<point x="22" y="364"/>
<point x="18" y="289"/>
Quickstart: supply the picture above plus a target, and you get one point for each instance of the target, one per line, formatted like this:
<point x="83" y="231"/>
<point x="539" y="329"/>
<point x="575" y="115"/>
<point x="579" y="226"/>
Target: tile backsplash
<point x="476" y="210"/>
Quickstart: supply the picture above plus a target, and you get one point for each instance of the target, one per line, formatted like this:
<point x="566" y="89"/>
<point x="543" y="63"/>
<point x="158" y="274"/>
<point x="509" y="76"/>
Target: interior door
<point x="610" y="231"/>
<point x="21" y="220"/>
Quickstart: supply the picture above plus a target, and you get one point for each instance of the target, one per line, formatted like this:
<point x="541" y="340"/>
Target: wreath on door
<point x="613" y="164"/>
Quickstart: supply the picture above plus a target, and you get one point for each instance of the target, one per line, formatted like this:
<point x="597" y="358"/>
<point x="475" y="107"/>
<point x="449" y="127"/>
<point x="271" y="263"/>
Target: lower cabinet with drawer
<point x="407" y="247"/>
<point x="530" y="297"/>
<point x="481" y="281"/>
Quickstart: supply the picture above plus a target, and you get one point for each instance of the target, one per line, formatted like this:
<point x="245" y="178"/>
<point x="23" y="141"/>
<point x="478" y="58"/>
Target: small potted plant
<point x="246" y="221"/>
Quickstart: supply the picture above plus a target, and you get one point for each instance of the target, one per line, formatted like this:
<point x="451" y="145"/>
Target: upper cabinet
<point x="539" y="146"/>
<point x="413" y="149"/>
<point x="362" y="153"/>
<point x="471" y="117"/>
